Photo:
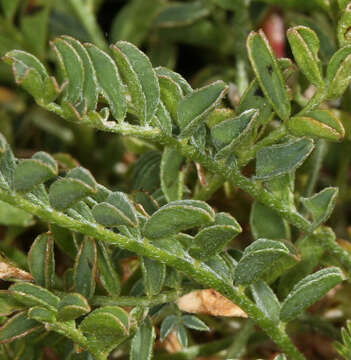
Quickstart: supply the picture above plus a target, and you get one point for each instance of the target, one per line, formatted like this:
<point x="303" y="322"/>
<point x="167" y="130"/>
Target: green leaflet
<point x="339" y="72"/>
<point x="108" y="275"/>
<point x="72" y="69"/>
<point x="266" y="300"/>
<point x="154" y="274"/>
<point x="195" y="107"/>
<point x="182" y="336"/>
<point x="213" y="239"/>
<point x="253" y="98"/>
<point x="72" y="306"/>
<point x="304" y="44"/>
<point x="268" y="224"/>
<point x="16" y="327"/>
<point x="228" y="133"/>
<point x="42" y="314"/>
<point x="133" y="82"/>
<point x="115" y="210"/>
<point x="28" y="60"/>
<point x="163" y="119"/>
<point x="109" y="81"/>
<point x="260" y="259"/>
<point x="107" y="324"/>
<point x="90" y="85"/>
<point x="7" y="168"/>
<point x="171" y="95"/>
<point x="85" y="268"/>
<point x="275" y="160"/>
<point x="168" y="325"/>
<point x="11" y="216"/>
<point x="81" y="211"/>
<point x="309" y="290"/>
<point x="321" y="205"/>
<point x="178" y="216"/>
<point x="177" y="78"/>
<point x="143" y="341"/>
<point x="8" y="304"/>
<point x="146" y="75"/>
<point x="41" y="260"/>
<point x="31" y="172"/>
<point x="30" y="73"/>
<point x="77" y="185"/>
<point x="318" y="123"/>
<point x="268" y="73"/>
<point x="33" y="295"/>
<point x="181" y="14"/>
<point x="64" y="240"/>
<point x="171" y="175"/>
<point x="193" y="322"/>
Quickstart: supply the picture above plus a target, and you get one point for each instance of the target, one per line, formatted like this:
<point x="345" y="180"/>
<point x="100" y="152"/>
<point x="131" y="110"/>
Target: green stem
<point x="85" y="13"/>
<point x="135" y="301"/>
<point x="195" y="270"/>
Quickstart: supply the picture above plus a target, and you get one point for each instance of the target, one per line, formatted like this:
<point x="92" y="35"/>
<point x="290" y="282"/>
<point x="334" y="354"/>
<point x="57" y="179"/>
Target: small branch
<point x="195" y="270"/>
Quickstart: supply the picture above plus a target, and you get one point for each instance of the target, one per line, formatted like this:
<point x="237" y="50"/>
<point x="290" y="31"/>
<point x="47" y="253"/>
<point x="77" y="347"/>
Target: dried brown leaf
<point x="9" y="271"/>
<point x="209" y="302"/>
